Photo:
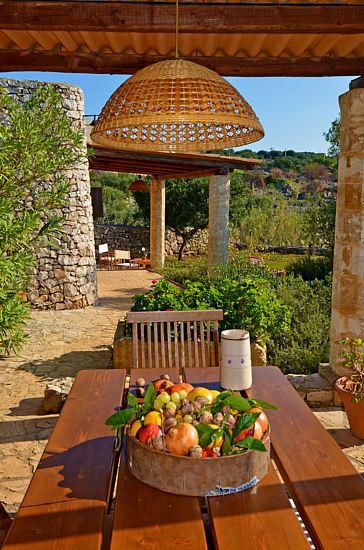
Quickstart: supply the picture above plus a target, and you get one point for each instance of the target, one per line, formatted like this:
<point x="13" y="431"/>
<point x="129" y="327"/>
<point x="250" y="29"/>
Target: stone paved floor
<point x="60" y="344"/>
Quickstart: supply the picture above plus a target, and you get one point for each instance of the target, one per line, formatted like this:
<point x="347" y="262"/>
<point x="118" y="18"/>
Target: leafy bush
<point x="37" y="146"/>
<point x="306" y="343"/>
<point x="250" y="303"/>
<point x="189" y="269"/>
<point x="310" y="268"/>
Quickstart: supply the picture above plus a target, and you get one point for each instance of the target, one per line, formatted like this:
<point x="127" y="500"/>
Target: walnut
<point x="140" y="382"/>
<point x="206" y="418"/>
<point x="195" y="451"/>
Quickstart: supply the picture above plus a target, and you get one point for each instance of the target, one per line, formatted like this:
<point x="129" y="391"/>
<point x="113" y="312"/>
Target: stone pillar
<point x="157" y="223"/>
<point x="219" y="193"/>
<point x="347" y="318"/>
<point x="66" y="276"/>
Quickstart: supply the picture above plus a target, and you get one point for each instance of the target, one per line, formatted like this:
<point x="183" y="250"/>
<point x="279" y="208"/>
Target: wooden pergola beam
<point x="193" y="18"/>
<point x="110" y="63"/>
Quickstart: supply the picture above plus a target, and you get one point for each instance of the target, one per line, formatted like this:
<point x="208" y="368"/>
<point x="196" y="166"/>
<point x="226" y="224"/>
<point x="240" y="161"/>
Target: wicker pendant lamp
<point x="176" y="106"/>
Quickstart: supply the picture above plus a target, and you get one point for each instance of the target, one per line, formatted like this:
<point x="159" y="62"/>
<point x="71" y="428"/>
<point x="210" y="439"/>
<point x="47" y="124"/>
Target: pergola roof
<point x="166" y="165"/>
<point x="234" y="38"/>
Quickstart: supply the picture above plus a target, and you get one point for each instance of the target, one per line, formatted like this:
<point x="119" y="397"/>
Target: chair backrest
<point x="180" y="339"/>
<point x="122" y="254"/>
<point x="103" y="248"/>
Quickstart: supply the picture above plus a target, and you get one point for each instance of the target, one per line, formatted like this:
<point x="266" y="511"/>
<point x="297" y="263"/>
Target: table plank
<point x="66" y="502"/>
<point x="152" y="374"/>
<point x="81" y="447"/>
<point x="146" y="517"/>
<point x="205" y="375"/>
<point x="259" y="519"/>
<point x="64" y="525"/>
<point x="328" y="491"/>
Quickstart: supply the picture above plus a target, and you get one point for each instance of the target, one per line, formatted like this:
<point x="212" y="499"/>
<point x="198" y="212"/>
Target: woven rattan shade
<point x="176" y="106"/>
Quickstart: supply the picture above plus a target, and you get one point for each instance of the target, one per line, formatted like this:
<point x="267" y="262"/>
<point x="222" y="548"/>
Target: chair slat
<point x="156" y="354"/>
<point x="142" y="342"/>
<point x="202" y="344"/>
<point x="163" y="350"/>
<point x="169" y="344"/>
<point x="175" y="339"/>
<point x="135" y="345"/>
<point x="208" y="334"/>
<point x="216" y="344"/>
<point x="195" y="340"/>
<point x="149" y="338"/>
<point x="189" y="348"/>
<point x="183" y="364"/>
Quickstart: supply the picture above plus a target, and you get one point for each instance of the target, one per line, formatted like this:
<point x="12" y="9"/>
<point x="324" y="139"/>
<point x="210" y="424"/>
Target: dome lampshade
<point x="138" y="185"/>
<point x="176" y="106"/>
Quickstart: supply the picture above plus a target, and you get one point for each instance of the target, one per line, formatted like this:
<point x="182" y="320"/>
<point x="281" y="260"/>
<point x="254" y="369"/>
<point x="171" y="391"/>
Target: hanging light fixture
<point x="176" y="106"/>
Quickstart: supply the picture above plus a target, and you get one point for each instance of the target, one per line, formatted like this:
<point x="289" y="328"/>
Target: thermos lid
<point x="235" y="334"/>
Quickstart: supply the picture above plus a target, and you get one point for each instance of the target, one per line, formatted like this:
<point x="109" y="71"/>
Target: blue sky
<point x="294" y="111"/>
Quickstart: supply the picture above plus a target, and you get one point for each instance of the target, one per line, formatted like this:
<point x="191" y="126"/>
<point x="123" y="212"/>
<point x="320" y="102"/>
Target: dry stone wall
<point x="134" y="238"/>
<point x="66" y="275"/>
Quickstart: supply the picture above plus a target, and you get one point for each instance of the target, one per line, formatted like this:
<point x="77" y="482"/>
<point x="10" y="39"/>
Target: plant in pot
<point x="351" y="387"/>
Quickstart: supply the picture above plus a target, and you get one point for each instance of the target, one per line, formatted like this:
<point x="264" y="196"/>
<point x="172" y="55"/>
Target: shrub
<point x="37" y="146"/>
<point x="310" y="268"/>
<point x="306" y="343"/>
<point x="250" y="304"/>
<point x="190" y="269"/>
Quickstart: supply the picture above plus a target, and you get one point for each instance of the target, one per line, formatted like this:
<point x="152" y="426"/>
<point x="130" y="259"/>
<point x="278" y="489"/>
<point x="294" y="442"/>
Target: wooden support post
<point x="219" y="194"/>
<point x="347" y="318"/>
<point x="157" y="223"/>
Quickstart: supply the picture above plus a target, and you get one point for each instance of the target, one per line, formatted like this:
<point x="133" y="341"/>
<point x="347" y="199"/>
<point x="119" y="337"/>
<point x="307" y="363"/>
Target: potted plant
<point x="351" y="387"/>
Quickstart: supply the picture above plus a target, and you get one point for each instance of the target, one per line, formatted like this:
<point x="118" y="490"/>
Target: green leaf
<point x="245" y="421"/>
<point x="119" y="419"/>
<point x="237" y="402"/>
<point x="219" y="401"/>
<point x="132" y="400"/>
<point x="226" y="445"/>
<point x="262" y="404"/>
<point x="150" y="396"/>
<point x="252" y="444"/>
<point x="205" y="433"/>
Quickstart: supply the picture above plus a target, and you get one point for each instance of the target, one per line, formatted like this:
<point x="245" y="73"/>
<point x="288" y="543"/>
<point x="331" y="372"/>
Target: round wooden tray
<point x="183" y="475"/>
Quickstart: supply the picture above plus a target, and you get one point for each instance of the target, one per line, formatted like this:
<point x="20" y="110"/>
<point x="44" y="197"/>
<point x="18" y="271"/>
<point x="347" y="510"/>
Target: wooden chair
<point x="106" y="257"/>
<point x="122" y="258"/>
<point x="175" y="339"/>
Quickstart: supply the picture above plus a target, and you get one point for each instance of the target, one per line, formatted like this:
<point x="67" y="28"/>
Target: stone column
<point x="347" y="318"/>
<point x="157" y="223"/>
<point x="219" y="193"/>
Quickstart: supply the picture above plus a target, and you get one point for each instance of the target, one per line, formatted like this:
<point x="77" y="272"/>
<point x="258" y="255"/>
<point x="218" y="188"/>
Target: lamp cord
<point x="176" y="38"/>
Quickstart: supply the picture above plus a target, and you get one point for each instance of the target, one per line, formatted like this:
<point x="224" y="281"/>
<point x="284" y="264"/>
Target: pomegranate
<point x="181" y="438"/>
<point x="181" y="386"/>
<point x="262" y="418"/>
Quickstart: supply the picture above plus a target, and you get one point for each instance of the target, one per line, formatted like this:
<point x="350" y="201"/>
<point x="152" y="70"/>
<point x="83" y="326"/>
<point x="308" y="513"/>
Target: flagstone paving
<point x="60" y="344"/>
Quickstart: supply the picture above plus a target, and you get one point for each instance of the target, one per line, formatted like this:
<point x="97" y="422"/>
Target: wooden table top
<point x="68" y="505"/>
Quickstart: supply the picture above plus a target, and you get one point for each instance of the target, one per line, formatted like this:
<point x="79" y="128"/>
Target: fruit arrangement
<point x="198" y="422"/>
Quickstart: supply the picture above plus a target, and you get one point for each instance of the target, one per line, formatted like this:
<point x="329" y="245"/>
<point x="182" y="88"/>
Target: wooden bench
<point x="66" y="502"/>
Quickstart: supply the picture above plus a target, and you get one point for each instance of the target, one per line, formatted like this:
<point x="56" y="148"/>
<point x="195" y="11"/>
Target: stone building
<point x="66" y="275"/>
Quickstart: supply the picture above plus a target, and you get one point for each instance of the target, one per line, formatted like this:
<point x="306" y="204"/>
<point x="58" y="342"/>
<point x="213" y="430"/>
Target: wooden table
<point x="325" y="487"/>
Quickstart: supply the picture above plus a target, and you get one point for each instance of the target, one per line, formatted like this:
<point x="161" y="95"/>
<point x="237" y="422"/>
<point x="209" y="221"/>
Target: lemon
<point x="218" y="441"/>
<point x="153" y="417"/>
<point x="201" y="392"/>
<point x="214" y="393"/>
<point x="135" y="427"/>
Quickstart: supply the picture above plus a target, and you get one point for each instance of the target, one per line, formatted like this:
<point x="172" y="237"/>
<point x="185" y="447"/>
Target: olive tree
<point x="37" y="147"/>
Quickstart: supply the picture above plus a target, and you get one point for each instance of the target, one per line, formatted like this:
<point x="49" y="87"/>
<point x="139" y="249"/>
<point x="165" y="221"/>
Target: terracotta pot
<point x="355" y="411"/>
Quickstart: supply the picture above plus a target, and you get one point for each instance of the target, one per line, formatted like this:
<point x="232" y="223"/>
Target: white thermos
<point x="235" y="364"/>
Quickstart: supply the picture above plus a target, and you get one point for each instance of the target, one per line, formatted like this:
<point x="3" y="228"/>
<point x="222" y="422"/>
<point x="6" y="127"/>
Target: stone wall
<point x="134" y="238"/>
<point x="66" y="275"/>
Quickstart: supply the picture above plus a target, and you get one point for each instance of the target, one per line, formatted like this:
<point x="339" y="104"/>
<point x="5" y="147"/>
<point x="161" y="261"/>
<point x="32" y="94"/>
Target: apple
<point x="148" y="432"/>
<point x="181" y="386"/>
<point x="162" y="385"/>
<point x="253" y="431"/>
